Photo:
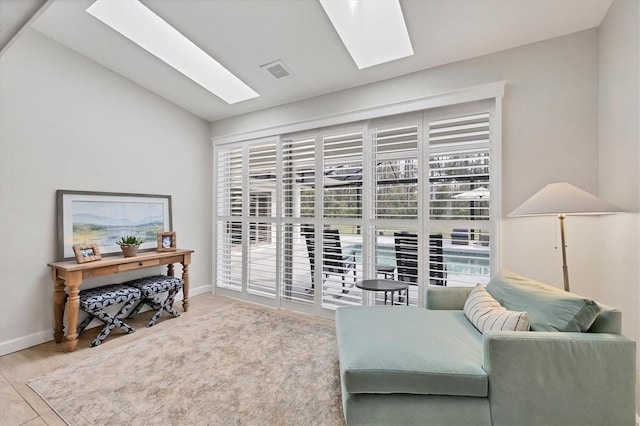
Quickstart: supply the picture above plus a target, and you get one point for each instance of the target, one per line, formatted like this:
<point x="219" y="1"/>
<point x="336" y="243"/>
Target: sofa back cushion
<point x="549" y="308"/>
<point x="609" y="320"/>
<point x="487" y="314"/>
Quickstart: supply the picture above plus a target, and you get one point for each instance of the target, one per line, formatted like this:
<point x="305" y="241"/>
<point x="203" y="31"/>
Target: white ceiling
<point x="244" y="34"/>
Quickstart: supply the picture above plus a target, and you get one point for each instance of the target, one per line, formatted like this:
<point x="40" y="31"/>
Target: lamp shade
<point x="563" y="198"/>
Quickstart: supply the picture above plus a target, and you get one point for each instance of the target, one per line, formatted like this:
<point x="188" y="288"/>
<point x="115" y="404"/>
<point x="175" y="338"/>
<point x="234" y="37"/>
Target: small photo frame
<point x="86" y="252"/>
<point x="166" y="241"/>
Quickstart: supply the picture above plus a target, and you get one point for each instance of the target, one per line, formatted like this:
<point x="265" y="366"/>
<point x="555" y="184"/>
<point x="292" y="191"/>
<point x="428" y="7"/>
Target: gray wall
<point x="68" y="123"/>
<point x="619" y="177"/>
<point x="549" y="134"/>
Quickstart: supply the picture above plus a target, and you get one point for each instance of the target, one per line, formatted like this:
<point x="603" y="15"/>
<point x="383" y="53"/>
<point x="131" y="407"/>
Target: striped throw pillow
<point x="486" y="313"/>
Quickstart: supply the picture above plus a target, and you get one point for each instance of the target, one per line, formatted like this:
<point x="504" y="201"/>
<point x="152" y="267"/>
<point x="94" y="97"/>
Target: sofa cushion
<point x="398" y="349"/>
<point x="549" y="308"/>
<point x="487" y="314"/>
<point x="609" y="320"/>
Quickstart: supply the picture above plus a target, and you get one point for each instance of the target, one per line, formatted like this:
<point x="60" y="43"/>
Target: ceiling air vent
<point x="277" y="69"/>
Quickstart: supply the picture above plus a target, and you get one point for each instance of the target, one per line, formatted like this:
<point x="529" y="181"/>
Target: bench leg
<point x="168" y="304"/>
<point x="85" y="322"/>
<point x="136" y="309"/>
<point x="157" y="307"/>
<point x="112" y="322"/>
<point x="160" y="307"/>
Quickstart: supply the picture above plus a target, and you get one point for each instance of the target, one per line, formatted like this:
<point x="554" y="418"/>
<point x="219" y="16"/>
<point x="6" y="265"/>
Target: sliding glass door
<point x="300" y="218"/>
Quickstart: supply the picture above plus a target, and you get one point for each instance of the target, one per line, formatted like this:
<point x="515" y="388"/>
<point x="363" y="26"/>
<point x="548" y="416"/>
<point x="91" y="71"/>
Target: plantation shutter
<point x="263" y="227"/>
<point x="459" y="193"/>
<point x="298" y="190"/>
<point x="342" y="175"/>
<point x="396" y="172"/>
<point x="395" y="167"/>
<point x="229" y="210"/>
<point x="298" y="157"/>
<point x="229" y="182"/>
<point x="341" y="236"/>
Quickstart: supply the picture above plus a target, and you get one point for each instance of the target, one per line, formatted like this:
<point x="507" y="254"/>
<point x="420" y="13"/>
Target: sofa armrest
<point x="447" y="298"/>
<point x="560" y="378"/>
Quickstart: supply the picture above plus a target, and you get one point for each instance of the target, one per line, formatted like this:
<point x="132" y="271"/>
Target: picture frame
<point x="86" y="252"/>
<point x="166" y="241"/>
<point x="100" y="218"/>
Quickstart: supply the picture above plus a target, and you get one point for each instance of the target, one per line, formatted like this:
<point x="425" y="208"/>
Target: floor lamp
<point x="563" y="199"/>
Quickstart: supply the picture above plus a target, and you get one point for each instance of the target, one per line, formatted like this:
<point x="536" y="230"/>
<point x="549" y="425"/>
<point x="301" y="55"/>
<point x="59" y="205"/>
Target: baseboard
<point x="24" y="342"/>
<point x="40" y="337"/>
<point x="195" y="291"/>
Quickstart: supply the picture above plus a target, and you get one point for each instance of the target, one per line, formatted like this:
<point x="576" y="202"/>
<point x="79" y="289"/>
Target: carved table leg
<point x="185" y="288"/>
<point x="73" y="305"/>
<point x="171" y="273"/>
<point x="59" y="299"/>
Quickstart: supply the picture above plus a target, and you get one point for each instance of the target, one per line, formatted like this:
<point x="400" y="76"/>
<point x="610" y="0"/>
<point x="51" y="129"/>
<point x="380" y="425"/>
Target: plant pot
<point x="129" y="251"/>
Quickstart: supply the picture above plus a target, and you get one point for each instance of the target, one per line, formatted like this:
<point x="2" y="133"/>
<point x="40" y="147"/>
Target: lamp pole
<point x="558" y="198"/>
<point x="565" y="268"/>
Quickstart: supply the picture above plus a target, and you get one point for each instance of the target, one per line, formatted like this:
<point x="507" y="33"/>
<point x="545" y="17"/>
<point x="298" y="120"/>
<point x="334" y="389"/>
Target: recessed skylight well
<point x="140" y="25"/>
<point x="373" y="31"/>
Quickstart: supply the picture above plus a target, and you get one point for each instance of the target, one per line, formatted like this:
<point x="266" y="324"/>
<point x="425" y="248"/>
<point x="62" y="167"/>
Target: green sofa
<point x="410" y="365"/>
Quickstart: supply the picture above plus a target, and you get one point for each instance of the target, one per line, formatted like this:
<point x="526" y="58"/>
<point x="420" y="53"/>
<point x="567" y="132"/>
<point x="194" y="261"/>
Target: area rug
<point x="238" y="366"/>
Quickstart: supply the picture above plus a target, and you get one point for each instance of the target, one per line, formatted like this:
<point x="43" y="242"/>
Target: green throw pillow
<point x="549" y="308"/>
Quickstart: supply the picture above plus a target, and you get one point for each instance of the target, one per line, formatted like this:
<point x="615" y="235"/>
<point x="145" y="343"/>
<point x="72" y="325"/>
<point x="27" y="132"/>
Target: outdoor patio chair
<point x="334" y="260"/>
<point x="387" y="271"/>
<point x="406" y="246"/>
<point x="460" y="236"/>
<point x="309" y="237"/>
<point x="437" y="265"/>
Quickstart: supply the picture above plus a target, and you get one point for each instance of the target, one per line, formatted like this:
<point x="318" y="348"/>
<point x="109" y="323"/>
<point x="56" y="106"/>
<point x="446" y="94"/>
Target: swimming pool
<point x="459" y="260"/>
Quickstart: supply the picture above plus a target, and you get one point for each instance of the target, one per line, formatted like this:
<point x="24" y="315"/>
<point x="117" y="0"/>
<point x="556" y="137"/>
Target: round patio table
<point x="388" y="286"/>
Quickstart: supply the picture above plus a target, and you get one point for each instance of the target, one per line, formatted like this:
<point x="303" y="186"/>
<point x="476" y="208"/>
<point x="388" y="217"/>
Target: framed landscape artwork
<point x="100" y="218"/>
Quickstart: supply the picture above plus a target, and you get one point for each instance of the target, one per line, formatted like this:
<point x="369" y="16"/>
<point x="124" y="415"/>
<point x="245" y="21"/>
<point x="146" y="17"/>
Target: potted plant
<point x="129" y="245"/>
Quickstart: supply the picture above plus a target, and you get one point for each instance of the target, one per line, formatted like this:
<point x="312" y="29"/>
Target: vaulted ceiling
<point x="245" y="34"/>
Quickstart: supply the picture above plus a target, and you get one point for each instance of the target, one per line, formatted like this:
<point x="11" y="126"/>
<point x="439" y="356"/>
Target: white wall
<point x="68" y="123"/>
<point x="619" y="177"/>
<point x="550" y="133"/>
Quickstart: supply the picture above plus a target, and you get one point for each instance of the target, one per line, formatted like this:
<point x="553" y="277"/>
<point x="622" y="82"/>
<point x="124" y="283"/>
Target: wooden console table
<point x="70" y="274"/>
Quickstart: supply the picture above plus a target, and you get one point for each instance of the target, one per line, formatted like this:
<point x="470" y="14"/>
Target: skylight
<point x="140" y="25"/>
<point x="373" y="31"/>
